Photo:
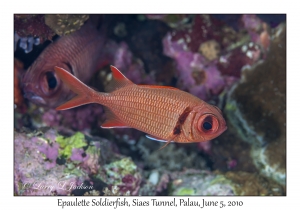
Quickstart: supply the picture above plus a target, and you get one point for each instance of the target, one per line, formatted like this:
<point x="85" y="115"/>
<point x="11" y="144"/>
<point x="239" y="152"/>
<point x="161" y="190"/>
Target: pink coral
<point x="33" y="25"/>
<point x="36" y="171"/>
<point x="78" y="155"/>
<point x="79" y="119"/>
<point x="205" y="146"/>
<point x="130" y="183"/>
<point x="196" y="75"/>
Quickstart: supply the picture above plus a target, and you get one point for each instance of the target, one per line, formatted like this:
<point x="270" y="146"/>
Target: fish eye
<point x="49" y="83"/>
<point x="207" y="126"/>
<point x="208" y="123"/>
<point x="51" y="80"/>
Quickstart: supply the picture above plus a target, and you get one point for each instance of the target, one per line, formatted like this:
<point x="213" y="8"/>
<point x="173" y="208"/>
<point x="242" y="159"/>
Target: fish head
<point x="205" y="122"/>
<point x="42" y="86"/>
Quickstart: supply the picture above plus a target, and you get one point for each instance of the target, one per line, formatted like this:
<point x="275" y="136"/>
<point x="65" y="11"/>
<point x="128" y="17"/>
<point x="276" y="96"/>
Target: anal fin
<point x="113" y="124"/>
<point x="155" y="138"/>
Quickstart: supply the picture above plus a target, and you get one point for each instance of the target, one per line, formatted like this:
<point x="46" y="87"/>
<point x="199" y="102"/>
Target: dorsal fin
<point x="118" y="80"/>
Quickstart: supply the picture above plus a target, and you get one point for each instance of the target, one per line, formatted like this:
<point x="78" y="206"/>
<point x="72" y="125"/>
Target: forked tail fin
<point x="85" y="95"/>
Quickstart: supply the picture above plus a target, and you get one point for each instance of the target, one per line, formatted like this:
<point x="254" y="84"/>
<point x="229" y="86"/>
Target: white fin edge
<point x="152" y="138"/>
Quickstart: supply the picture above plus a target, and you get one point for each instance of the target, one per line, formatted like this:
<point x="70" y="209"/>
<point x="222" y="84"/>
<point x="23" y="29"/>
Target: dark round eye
<point x="51" y="80"/>
<point x="208" y="123"/>
<point x="207" y="126"/>
<point x="49" y="83"/>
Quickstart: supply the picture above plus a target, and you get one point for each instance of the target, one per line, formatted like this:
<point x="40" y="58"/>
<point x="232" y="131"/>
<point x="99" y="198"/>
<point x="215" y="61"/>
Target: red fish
<point x="79" y="53"/>
<point x="164" y="113"/>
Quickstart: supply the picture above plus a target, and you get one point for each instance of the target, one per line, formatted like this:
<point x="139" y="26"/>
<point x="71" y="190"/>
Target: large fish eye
<point x="49" y="83"/>
<point x="208" y="123"/>
<point x="207" y="126"/>
<point x="51" y="80"/>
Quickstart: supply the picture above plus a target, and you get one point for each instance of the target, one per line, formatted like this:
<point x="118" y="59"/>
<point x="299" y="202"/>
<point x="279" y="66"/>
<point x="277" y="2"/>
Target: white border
<point x="8" y="8"/>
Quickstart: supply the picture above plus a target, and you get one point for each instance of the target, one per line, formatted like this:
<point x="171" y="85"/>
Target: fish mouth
<point x="34" y="98"/>
<point x="30" y="92"/>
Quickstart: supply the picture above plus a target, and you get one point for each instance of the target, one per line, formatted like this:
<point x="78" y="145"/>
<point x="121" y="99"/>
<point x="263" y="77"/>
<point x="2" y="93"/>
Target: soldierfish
<point x="164" y="113"/>
<point x="79" y="53"/>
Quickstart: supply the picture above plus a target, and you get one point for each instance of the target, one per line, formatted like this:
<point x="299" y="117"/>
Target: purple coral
<point x="130" y="183"/>
<point x="196" y="75"/>
<point x="199" y="73"/>
<point x="257" y="29"/>
<point x="79" y="155"/>
<point x="33" y="25"/>
<point x="79" y="119"/>
<point x="253" y="24"/>
<point x="34" y="157"/>
<point x="130" y="66"/>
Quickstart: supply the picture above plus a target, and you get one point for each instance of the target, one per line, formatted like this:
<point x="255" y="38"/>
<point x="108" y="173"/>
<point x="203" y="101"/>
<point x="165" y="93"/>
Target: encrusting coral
<point x="193" y="182"/>
<point x="64" y="24"/>
<point x="172" y="158"/>
<point x="34" y="25"/>
<point x="36" y="170"/>
<point x="256" y="107"/>
<point x="49" y="164"/>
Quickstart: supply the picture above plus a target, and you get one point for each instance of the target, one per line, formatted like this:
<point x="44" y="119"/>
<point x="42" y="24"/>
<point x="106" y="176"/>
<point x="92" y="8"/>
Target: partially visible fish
<point x="79" y="53"/>
<point x="164" y="113"/>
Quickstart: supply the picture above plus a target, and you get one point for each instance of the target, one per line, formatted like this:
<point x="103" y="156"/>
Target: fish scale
<point x="79" y="53"/>
<point x="166" y="113"/>
<point x="158" y="117"/>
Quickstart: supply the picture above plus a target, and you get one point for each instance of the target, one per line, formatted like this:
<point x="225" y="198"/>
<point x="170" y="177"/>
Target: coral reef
<point x="210" y="50"/>
<point x="79" y="119"/>
<point x="257" y="29"/>
<point x="171" y="158"/>
<point x="71" y="147"/>
<point x="49" y="164"/>
<point x="26" y="43"/>
<point x="143" y="37"/>
<point x="253" y="184"/>
<point x="92" y="193"/>
<point x="36" y="170"/>
<point x="124" y="174"/>
<point x="34" y="25"/>
<point x="199" y="78"/>
<point x="230" y="153"/>
<point x="174" y="20"/>
<point x="193" y="182"/>
<point x="224" y="53"/>
<point x="66" y="23"/>
<point x="115" y="191"/>
<point x="256" y="107"/>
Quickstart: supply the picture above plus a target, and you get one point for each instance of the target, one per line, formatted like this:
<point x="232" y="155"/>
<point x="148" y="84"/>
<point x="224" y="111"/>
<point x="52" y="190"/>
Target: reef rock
<point x="193" y="182"/>
<point x="256" y="107"/>
<point x="47" y="163"/>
